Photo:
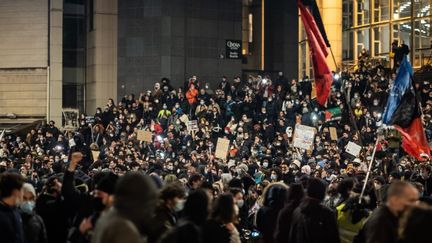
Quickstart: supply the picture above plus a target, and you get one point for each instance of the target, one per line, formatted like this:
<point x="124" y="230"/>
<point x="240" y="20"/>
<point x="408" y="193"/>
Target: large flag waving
<point x="403" y="112"/>
<point x="318" y="50"/>
<point x="313" y="7"/>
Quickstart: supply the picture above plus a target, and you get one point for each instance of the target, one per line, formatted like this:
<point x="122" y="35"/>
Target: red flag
<point x="318" y="49"/>
<point x="309" y="20"/>
<point x="414" y="140"/>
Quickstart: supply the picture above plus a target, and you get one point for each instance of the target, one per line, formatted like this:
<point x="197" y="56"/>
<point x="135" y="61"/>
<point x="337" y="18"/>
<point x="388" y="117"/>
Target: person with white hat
<point x="34" y="227"/>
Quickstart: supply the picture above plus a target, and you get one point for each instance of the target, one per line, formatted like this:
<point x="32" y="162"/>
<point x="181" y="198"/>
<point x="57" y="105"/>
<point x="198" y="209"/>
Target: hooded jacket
<point x="313" y="222"/>
<point x="129" y="219"/>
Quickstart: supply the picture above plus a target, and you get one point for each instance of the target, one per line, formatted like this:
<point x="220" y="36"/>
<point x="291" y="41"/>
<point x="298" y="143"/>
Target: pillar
<point x="331" y="13"/>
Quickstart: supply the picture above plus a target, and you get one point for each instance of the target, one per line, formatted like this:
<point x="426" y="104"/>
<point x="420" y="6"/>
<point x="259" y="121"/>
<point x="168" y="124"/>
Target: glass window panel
<point x="381" y="10"/>
<point x="422" y="7"/>
<point x="401" y="8"/>
<point x="422" y="41"/>
<point x="363" y="12"/>
<point x="347" y="14"/>
<point x="381" y="40"/>
<point x="362" y="40"/>
<point x="348" y="45"/>
<point x="402" y="32"/>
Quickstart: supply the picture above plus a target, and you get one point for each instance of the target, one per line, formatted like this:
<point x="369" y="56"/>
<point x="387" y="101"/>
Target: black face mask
<point x="98" y="204"/>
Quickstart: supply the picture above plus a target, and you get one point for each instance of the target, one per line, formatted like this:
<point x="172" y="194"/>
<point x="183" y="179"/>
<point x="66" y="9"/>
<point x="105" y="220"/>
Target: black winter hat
<point x="316" y="188"/>
<point x="107" y="183"/>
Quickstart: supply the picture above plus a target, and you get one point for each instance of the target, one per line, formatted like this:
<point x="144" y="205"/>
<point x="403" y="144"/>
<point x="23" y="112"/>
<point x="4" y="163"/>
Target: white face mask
<point x="179" y="205"/>
<point x="265" y="164"/>
<point x="27" y="207"/>
<point x="240" y="203"/>
<point x="377" y="186"/>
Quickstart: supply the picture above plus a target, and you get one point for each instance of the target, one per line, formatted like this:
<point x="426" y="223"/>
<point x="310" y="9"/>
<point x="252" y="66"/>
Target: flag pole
<point x="369" y="168"/>
<point x="334" y="60"/>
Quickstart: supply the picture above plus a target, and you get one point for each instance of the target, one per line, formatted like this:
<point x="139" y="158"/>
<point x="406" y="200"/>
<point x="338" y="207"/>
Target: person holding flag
<point x="403" y="112"/>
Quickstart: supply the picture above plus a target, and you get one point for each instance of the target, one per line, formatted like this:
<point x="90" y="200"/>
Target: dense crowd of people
<point x="99" y="183"/>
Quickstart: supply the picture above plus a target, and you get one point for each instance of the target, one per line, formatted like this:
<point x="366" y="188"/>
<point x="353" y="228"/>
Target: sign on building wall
<point x="233" y="49"/>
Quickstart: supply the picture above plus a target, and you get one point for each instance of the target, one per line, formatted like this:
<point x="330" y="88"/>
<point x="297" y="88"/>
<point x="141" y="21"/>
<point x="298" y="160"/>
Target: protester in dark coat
<point x="128" y="221"/>
<point x="172" y="202"/>
<point x="78" y="201"/>
<point x="274" y="201"/>
<point x="382" y="225"/>
<point x="415" y="225"/>
<point x="11" y="227"/>
<point x="313" y="222"/>
<point x="51" y="207"/>
<point x="189" y="228"/>
<point x="34" y="227"/>
<point x="220" y="228"/>
<point x="295" y="196"/>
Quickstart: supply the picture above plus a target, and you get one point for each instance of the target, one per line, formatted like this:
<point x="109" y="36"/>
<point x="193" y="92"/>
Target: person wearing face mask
<point x="201" y="109"/>
<point x="382" y="225"/>
<point x="266" y="219"/>
<point x="11" y="196"/>
<point x="103" y="199"/>
<point x="76" y="199"/>
<point x="34" y="227"/>
<point x="172" y="199"/>
<point x="220" y="227"/>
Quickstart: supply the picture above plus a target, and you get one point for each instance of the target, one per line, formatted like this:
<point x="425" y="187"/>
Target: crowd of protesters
<point x="99" y="183"/>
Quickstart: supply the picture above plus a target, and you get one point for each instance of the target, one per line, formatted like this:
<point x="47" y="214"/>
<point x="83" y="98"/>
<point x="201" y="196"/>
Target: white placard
<point x="222" y="147"/>
<point x="71" y="143"/>
<point x="192" y="125"/>
<point x="353" y="149"/>
<point x="304" y="137"/>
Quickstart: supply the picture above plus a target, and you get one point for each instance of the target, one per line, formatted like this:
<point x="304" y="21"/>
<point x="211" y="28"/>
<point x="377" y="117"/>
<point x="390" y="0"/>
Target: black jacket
<point x="381" y="227"/>
<point x="313" y="222"/>
<point x="163" y="221"/>
<point x="284" y="222"/>
<point x="215" y="232"/>
<point x="185" y="232"/>
<point x="54" y="214"/>
<point x="34" y="228"/>
<point x="11" y="228"/>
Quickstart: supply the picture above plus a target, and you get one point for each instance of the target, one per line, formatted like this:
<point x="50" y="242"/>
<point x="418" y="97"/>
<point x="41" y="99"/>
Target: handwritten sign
<point x="333" y="133"/>
<point x="192" y="126"/>
<point x="95" y="154"/>
<point x="145" y="136"/>
<point x="304" y="137"/>
<point x="353" y="149"/>
<point x="222" y="147"/>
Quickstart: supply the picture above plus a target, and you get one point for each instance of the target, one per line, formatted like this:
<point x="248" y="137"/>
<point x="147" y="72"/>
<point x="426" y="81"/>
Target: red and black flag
<point x="313" y="8"/>
<point x="318" y="49"/>
<point x="403" y="111"/>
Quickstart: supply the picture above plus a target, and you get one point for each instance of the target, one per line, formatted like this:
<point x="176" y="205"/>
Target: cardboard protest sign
<point x="192" y="126"/>
<point x="95" y="154"/>
<point x="222" y="147"/>
<point x="353" y="149"/>
<point x="184" y="119"/>
<point x="145" y="136"/>
<point x="289" y="132"/>
<point x="333" y="133"/>
<point x="304" y="137"/>
<point x="71" y="143"/>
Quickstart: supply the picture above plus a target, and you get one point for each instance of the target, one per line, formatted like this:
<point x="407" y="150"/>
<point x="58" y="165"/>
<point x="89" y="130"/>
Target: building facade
<point x="375" y="24"/>
<point x="75" y="54"/>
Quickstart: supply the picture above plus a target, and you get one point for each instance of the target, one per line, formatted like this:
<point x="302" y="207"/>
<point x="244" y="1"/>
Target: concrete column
<point x="102" y="56"/>
<point x="331" y="13"/>
<point x="55" y="71"/>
